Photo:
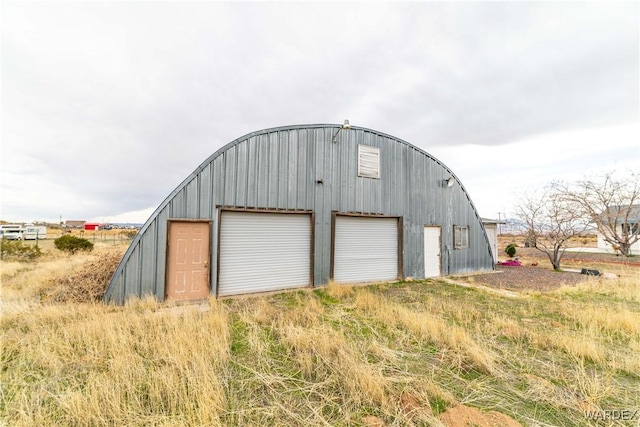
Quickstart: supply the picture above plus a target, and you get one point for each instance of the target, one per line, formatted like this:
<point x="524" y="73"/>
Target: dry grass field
<point x="396" y="354"/>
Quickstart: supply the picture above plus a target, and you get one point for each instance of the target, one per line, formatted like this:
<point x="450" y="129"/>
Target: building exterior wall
<point x="299" y="168"/>
<point x="605" y="246"/>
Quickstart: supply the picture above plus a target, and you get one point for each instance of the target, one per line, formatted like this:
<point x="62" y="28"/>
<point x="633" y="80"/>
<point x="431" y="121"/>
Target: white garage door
<point x="263" y="252"/>
<point x="366" y="249"/>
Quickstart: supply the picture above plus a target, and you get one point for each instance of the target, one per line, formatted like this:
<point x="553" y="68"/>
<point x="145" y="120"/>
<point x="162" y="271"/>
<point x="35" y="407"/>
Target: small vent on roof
<point x="368" y="161"/>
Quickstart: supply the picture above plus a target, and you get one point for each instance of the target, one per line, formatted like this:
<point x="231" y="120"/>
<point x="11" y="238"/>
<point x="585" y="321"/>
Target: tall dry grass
<point x="97" y="363"/>
<point x="341" y="355"/>
<point x="625" y="289"/>
<point x="430" y="328"/>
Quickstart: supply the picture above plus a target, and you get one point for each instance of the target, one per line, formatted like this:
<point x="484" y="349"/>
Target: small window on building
<point x="460" y="237"/>
<point x="368" y="161"/>
<point x="631" y="228"/>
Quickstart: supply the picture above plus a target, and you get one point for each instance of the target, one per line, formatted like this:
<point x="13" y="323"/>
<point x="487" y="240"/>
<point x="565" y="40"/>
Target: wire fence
<point x="94" y="236"/>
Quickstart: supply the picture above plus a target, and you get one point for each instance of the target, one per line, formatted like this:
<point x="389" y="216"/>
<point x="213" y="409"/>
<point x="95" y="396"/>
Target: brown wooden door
<point x="188" y="261"/>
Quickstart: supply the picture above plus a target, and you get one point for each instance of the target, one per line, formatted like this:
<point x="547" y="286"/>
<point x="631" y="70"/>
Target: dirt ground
<point x="536" y="272"/>
<point x="460" y="416"/>
<point x="533" y="278"/>
<point x="465" y="416"/>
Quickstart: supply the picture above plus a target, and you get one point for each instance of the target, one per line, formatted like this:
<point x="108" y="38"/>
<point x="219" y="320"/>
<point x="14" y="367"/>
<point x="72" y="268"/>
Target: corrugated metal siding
<point x="280" y="169"/>
<point x="148" y="247"/>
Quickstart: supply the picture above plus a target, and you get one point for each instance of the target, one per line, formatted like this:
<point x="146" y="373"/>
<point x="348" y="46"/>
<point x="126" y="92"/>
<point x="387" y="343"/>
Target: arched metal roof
<point x="152" y="225"/>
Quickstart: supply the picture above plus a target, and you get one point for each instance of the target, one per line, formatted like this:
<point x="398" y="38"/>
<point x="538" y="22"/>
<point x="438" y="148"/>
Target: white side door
<point x="431" y="251"/>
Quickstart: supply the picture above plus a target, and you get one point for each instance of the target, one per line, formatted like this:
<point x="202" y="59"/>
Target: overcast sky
<point x="107" y="107"/>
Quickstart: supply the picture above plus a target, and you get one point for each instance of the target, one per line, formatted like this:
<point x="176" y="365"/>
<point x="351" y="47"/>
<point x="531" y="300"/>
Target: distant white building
<point x="631" y="226"/>
<point x="11" y="231"/>
<point x="34" y="232"/>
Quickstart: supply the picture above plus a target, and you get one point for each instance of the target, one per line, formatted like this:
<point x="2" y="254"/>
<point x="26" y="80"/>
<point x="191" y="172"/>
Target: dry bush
<point x="86" y="284"/>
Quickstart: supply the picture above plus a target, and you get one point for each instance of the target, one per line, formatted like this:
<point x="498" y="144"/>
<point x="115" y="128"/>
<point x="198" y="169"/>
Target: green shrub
<point x="15" y="249"/>
<point x="510" y="250"/>
<point x="72" y="244"/>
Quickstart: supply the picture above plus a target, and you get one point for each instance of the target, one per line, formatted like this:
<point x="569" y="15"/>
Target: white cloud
<point x="134" y="217"/>
<point x="496" y="176"/>
<point x="108" y="106"/>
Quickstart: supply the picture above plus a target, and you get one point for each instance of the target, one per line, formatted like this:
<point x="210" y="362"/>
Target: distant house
<point x="631" y="226"/>
<point x="74" y="224"/>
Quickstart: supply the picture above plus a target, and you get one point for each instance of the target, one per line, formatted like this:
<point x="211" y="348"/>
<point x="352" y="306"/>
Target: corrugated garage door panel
<point x="263" y="252"/>
<point x="366" y="249"/>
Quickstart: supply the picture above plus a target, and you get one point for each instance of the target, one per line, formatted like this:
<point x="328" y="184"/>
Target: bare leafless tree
<point x="612" y="204"/>
<point x="551" y="220"/>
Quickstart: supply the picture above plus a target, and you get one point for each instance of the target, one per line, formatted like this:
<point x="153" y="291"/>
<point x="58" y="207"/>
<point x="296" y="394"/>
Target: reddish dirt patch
<point x="465" y="416"/>
<point x="411" y="405"/>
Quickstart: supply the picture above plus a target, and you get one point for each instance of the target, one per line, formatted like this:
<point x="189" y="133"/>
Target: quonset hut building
<point x="298" y="206"/>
